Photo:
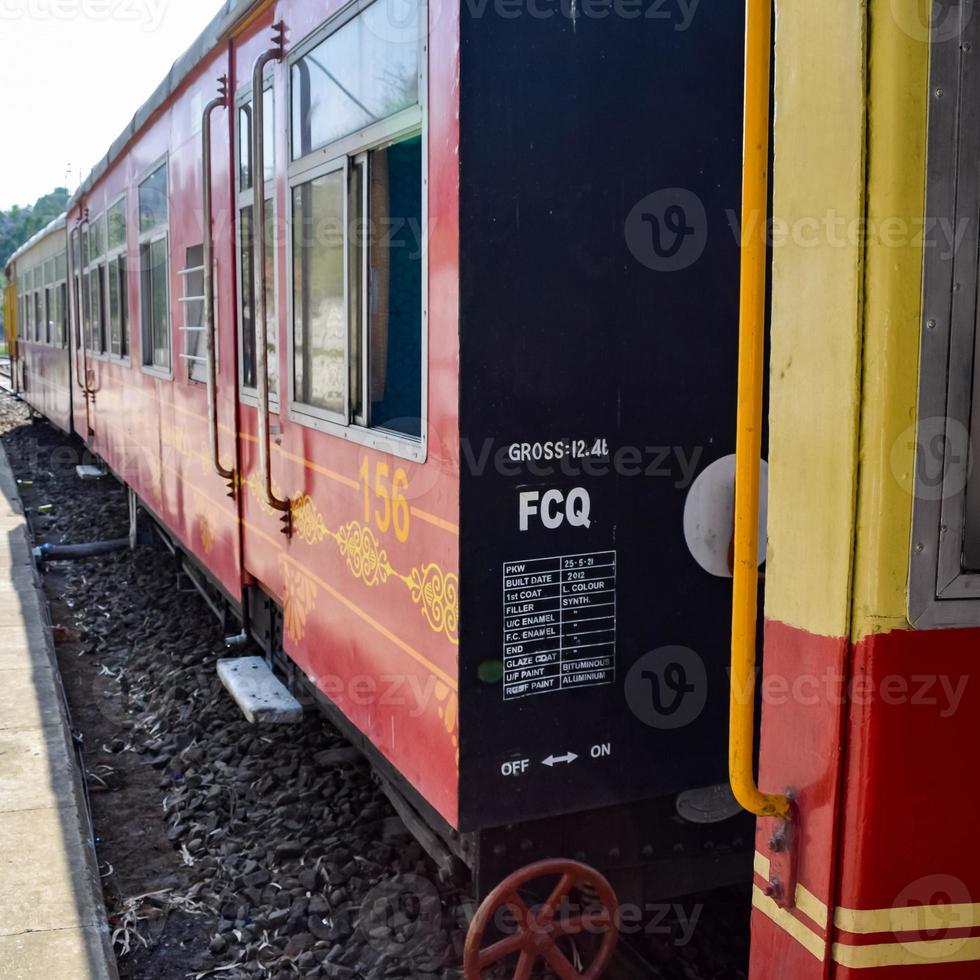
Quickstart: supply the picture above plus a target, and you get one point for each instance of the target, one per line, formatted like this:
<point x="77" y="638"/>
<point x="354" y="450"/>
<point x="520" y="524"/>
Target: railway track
<point x="252" y="852"/>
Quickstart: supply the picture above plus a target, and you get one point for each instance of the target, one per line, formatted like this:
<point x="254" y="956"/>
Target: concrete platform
<point x="52" y="920"/>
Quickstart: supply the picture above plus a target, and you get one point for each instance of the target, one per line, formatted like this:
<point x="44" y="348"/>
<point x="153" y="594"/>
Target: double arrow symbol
<point x="554" y="760"/>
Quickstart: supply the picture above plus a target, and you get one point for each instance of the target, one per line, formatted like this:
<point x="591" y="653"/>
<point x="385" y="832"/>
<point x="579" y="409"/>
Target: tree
<point x="19" y="224"/>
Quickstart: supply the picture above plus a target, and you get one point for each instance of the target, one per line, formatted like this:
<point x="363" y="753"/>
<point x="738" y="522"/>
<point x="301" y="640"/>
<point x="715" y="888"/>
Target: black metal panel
<point x="600" y="176"/>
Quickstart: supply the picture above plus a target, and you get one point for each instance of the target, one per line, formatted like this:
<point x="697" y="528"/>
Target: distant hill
<point x="18" y="224"/>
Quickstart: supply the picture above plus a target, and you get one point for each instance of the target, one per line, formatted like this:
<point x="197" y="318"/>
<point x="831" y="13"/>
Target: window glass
<point x="356" y="76"/>
<point x="156" y="303"/>
<point x="320" y="328"/>
<point x="49" y="272"/>
<point x="86" y="311"/>
<point x="153" y="200"/>
<point x="115" y="310"/>
<point x="97" y="311"/>
<point x="116" y="221"/>
<point x="38" y="318"/>
<point x="61" y="314"/>
<point x="355" y="290"/>
<point x="245" y="140"/>
<point x="96" y="239"/>
<point x="121" y="264"/>
<point x="61" y="266"/>
<point x="395" y="287"/>
<point x="248" y="299"/>
<point x="49" y="313"/>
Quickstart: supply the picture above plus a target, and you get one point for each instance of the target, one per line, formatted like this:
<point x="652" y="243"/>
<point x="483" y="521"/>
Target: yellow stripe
<point x="806" y="901"/>
<point x="437" y="671"/>
<point x="916" y="918"/>
<point x="898" y="90"/>
<point x="925" y="953"/>
<point x="435" y="521"/>
<point x="812" y="907"/>
<point x="815" y="365"/>
<point x="809" y="940"/>
<point x="449" y="681"/>
<point x="322" y="470"/>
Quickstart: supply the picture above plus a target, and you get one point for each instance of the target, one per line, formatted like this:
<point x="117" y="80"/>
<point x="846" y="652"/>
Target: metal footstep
<point x="263" y="698"/>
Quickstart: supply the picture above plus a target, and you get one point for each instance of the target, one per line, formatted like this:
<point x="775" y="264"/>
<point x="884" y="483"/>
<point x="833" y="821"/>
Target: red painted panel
<point x="801" y="751"/>
<point x="908" y="830"/>
<point x="45" y="380"/>
<point x="152" y="431"/>
<point x="371" y="615"/>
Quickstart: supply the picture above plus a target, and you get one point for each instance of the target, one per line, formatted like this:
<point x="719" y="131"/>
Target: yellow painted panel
<point x="898" y="96"/>
<point x="818" y="205"/>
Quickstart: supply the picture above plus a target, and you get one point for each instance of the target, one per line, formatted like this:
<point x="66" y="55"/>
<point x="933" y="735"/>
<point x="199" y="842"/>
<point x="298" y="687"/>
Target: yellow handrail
<point x="751" y="358"/>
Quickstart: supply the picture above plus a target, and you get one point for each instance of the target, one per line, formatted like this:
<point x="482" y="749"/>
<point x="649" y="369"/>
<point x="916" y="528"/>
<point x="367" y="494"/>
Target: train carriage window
<point x="50" y="311"/>
<point x="944" y="569"/>
<point x="356" y="76"/>
<point x="246" y="280"/>
<point x="357" y="252"/>
<point x="38" y="337"/>
<point x="192" y="302"/>
<point x="117" y="281"/>
<point x="155" y="270"/>
<point x="95" y="277"/>
<point x="116" y="225"/>
<point x="245" y="140"/>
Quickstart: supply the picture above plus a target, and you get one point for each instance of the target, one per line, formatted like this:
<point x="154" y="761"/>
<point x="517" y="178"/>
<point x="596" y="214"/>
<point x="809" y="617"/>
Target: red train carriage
<point x="40" y="362"/>
<point x="462" y="464"/>
<point x="406" y="478"/>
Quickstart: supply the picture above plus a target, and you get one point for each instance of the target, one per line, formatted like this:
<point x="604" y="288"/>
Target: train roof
<point x="56" y="224"/>
<point x="223" y="22"/>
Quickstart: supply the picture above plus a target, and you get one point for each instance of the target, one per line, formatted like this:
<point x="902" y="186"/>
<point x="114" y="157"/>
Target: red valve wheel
<point x="539" y="929"/>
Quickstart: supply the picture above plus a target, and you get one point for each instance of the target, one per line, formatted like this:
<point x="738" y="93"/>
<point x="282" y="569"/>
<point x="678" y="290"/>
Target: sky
<point x="72" y="75"/>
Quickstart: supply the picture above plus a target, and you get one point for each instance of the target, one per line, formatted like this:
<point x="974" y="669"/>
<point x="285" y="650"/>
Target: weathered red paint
<point x="365" y="643"/>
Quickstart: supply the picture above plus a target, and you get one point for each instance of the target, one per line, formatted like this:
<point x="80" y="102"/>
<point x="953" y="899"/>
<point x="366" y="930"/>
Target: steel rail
<point x="751" y="367"/>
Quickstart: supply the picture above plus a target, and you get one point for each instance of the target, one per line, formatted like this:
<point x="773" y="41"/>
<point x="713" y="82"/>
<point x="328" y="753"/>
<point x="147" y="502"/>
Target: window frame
<point x="97" y="266"/>
<point x="114" y="254"/>
<point x="942" y="591"/>
<point x="186" y="331"/>
<point x="402" y="125"/>
<point x="249" y="394"/>
<point x="146" y="239"/>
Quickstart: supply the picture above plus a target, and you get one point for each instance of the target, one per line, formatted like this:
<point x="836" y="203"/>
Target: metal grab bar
<point x="75" y="302"/>
<point x="74" y="305"/>
<point x="276" y="53"/>
<point x="751" y="358"/>
<point x="208" y="327"/>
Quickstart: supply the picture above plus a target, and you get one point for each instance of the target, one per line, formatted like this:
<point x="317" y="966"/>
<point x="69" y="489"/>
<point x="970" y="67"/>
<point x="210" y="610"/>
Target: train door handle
<point x="276" y="53"/>
<point x="751" y="366"/>
<point x="221" y="101"/>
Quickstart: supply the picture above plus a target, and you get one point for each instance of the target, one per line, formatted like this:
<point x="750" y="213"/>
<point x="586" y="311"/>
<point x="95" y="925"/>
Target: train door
<point x="331" y="345"/>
